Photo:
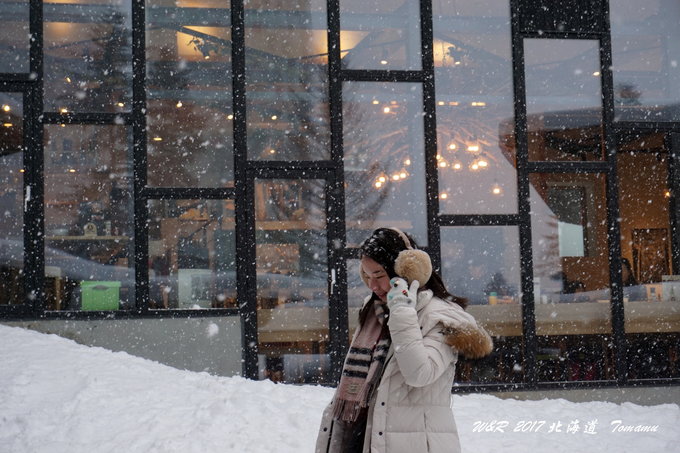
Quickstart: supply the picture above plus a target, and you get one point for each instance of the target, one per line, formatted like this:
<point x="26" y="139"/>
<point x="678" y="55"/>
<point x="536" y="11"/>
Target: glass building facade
<point x="224" y="158"/>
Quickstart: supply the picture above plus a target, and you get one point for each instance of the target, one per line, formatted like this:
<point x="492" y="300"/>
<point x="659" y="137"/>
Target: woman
<point x="395" y="389"/>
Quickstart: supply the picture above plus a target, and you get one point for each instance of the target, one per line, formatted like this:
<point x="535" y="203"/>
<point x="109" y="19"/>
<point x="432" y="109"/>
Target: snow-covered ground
<point x="59" y="396"/>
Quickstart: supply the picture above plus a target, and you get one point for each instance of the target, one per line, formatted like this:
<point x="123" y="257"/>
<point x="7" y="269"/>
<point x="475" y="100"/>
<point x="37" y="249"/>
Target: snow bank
<point x="59" y="396"/>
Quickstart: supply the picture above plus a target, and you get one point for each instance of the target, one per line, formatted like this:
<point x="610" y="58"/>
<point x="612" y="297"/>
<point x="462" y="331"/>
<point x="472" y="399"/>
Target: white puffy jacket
<point x="411" y="408"/>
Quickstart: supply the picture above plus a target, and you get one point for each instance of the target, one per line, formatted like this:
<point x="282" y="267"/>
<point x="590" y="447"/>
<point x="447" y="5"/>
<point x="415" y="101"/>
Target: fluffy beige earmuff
<point x="412" y="264"/>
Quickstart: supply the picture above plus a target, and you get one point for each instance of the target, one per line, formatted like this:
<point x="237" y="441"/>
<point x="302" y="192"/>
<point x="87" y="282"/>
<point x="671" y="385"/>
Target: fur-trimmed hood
<point x="459" y="327"/>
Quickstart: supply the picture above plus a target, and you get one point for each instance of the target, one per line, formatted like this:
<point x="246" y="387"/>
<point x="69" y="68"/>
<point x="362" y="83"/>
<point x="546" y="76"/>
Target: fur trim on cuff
<point x="472" y="342"/>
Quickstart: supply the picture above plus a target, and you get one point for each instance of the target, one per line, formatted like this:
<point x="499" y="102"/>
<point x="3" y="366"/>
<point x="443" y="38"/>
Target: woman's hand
<point x="400" y="295"/>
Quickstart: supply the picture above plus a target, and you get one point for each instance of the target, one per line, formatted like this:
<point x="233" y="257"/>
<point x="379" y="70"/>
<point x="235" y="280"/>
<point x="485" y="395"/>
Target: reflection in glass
<point x="473" y="69"/>
<point x="14" y="40"/>
<point x="192" y="254"/>
<point x="88" y="217"/>
<point x="651" y="286"/>
<point x="88" y="57"/>
<point x="380" y="35"/>
<point x="563" y="94"/>
<point x="384" y="163"/>
<point x="292" y="280"/>
<point x="646" y="59"/>
<point x="569" y="238"/>
<point x="287" y="81"/>
<point x="571" y="277"/>
<point x="11" y="199"/>
<point x="482" y="265"/>
<point x="190" y="114"/>
<point x="571" y="290"/>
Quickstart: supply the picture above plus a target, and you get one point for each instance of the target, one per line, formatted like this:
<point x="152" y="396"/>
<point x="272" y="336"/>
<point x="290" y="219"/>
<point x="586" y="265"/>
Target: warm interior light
<point x="474" y="166"/>
<point x="443" y="164"/>
<point x="477" y="104"/>
<point x="473" y="148"/>
<point x="179" y="104"/>
<point x="407" y="162"/>
<point x="441" y="103"/>
<point x="395" y="177"/>
<point x="378" y="184"/>
<point x="7" y="124"/>
<point x="453" y="103"/>
<point x="63" y="110"/>
<point x="376" y="102"/>
<point x="382" y="179"/>
<point x="157" y="139"/>
<point x="230" y="117"/>
<point x="68" y="79"/>
<point x="6" y="107"/>
<point x="383" y="62"/>
<point x="667" y="194"/>
<point x="439" y="157"/>
<point x="596" y="74"/>
<point x="272" y="151"/>
<point x="496" y="189"/>
<point x="71" y="170"/>
<point x="452" y="146"/>
<point x="274" y="117"/>
<point x="386" y="110"/>
<point x="403" y="174"/>
<point x="443" y="195"/>
<point x="457" y="166"/>
<point x="482" y="163"/>
<point x="21" y="170"/>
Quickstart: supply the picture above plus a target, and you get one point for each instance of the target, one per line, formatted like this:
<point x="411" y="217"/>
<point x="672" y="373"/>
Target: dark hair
<point x="383" y="246"/>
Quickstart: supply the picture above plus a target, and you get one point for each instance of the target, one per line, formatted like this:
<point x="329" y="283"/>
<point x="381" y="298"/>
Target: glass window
<point x="292" y="280"/>
<point x="646" y="59"/>
<point x="651" y="286"/>
<point x="571" y="276"/>
<point x="189" y="95"/>
<point x="88" y="56"/>
<point x="384" y="163"/>
<point x="473" y="70"/>
<point x="14" y="40"/>
<point x="482" y="264"/>
<point x="380" y="34"/>
<point x="192" y="254"/>
<point x="88" y="217"/>
<point x="11" y="199"/>
<point x="287" y="80"/>
<point x="564" y="102"/>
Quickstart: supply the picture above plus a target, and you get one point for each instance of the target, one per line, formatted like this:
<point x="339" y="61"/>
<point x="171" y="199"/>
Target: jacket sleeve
<point x="422" y="359"/>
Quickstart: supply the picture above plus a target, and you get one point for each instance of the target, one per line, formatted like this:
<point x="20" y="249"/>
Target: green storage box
<point x="100" y="295"/>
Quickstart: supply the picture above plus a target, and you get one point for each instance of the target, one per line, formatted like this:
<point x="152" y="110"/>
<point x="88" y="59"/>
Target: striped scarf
<point x="363" y="367"/>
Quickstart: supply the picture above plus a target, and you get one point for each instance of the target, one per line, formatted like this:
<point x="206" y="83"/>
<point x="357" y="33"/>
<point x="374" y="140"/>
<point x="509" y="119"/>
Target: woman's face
<point x="377" y="279"/>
